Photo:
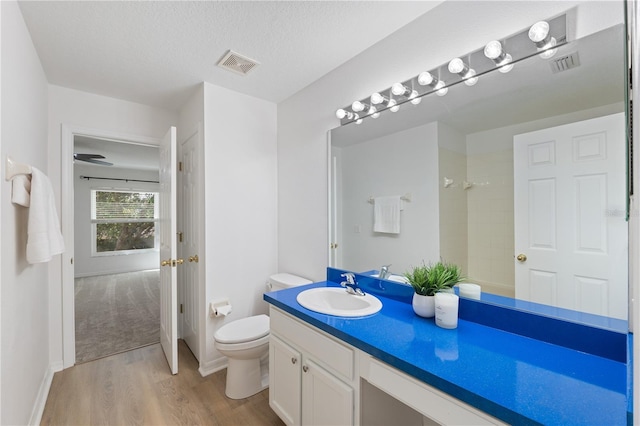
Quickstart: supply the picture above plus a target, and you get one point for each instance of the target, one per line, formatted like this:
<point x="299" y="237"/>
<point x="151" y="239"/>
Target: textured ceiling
<point x="156" y="52"/>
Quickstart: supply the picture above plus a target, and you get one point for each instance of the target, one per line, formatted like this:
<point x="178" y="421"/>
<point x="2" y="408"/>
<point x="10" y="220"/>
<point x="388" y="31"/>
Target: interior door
<point x="190" y="205"/>
<point x="168" y="250"/>
<point x="569" y="207"/>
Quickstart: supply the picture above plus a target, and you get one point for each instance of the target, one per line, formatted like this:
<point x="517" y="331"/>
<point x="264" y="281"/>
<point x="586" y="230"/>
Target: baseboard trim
<point x="114" y="272"/>
<point x="213" y="366"/>
<point x="43" y="393"/>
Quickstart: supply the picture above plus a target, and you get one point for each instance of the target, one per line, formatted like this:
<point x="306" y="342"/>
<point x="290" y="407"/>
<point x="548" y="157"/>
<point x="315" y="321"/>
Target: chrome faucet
<point x="350" y="285"/>
<point x="384" y="272"/>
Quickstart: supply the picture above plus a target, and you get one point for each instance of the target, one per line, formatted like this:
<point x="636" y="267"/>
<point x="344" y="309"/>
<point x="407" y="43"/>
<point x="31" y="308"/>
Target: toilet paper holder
<point x="219" y="307"/>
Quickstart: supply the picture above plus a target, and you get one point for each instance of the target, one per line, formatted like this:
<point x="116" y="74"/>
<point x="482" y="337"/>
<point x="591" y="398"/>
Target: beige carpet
<point x="116" y="313"/>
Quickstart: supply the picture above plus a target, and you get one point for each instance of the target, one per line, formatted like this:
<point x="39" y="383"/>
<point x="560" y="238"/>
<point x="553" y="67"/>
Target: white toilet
<point x="245" y="343"/>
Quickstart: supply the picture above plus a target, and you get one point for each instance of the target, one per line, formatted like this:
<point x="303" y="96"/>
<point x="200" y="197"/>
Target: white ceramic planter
<point x="424" y="306"/>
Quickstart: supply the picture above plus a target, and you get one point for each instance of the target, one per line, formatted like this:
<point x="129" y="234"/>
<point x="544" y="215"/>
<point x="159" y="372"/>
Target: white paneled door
<point x="570" y="224"/>
<point x="190" y="221"/>
<point x="168" y="250"/>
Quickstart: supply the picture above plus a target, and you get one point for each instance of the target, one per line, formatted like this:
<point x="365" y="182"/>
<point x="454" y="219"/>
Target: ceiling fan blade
<point x="91" y="158"/>
<point x="104" y="163"/>
<point x="87" y="156"/>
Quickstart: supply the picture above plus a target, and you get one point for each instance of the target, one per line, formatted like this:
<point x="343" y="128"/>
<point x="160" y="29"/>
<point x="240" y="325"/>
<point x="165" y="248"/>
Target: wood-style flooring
<point x="137" y="388"/>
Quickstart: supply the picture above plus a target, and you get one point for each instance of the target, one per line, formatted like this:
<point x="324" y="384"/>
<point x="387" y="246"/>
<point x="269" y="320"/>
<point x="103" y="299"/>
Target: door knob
<point x="194" y="258"/>
<point x="521" y="257"/>
<point x="165" y="263"/>
<point x="178" y="262"/>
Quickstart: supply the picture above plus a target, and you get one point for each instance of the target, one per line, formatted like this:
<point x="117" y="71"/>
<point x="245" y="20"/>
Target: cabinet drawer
<point x="330" y="353"/>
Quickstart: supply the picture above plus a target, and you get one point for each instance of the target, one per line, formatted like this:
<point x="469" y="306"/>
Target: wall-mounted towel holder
<point x="12" y="169"/>
<point x="405" y="197"/>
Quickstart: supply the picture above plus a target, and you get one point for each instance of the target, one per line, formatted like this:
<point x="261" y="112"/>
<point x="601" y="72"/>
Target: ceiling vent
<point x="565" y="62"/>
<point x="237" y="63"/>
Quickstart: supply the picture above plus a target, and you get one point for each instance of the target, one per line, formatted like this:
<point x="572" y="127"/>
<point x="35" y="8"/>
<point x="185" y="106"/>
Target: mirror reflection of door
<point x="571" y="232"/>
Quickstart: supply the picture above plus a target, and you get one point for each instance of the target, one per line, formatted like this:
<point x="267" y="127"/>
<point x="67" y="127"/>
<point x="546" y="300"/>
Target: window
<point x="123" y="221"/>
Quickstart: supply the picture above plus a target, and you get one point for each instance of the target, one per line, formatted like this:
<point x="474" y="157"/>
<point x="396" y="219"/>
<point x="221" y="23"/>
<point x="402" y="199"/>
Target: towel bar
<point x="12" y="169"/>
<point x="405" y="197"/>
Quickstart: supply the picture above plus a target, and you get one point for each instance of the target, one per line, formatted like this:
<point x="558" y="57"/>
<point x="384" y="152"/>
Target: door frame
<point x="68" y="132"/>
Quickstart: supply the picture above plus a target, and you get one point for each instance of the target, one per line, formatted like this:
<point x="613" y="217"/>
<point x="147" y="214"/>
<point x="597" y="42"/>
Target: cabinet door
<point x="326" y="400"/>
<point x="284" y="381"/>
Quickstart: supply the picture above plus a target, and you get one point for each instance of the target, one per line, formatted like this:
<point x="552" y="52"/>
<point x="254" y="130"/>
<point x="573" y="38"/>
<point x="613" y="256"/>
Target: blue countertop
<point x="517" y="379"/>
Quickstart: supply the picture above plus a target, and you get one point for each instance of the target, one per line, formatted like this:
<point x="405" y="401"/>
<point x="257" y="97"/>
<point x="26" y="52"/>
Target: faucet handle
<point x="350" y="278"/>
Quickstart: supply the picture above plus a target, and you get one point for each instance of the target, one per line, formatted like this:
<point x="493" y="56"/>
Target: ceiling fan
<point x="92" y="158"/>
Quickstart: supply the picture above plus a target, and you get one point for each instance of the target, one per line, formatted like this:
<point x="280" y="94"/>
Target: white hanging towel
<point x="20" y="189"/>
<point x="44" y="239"/>
<point x="386" y="214"/>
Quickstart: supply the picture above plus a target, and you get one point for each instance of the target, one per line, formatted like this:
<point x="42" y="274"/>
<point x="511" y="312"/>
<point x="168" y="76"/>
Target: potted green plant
<point x="427" y="280"/>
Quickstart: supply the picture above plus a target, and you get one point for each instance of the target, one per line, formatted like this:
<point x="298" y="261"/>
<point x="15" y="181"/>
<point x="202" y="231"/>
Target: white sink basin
<point x="336" y="301"/>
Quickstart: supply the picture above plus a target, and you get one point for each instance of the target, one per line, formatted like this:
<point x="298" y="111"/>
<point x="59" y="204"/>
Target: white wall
<point x="85" y="263"/>
<point x="25" y="288"/>
<point x="86" y="110"/>
<point x="452" y="164"/>
<point x="397" y="164"/>
<point x="240" y="205"/>
<point x="429" y="41"/>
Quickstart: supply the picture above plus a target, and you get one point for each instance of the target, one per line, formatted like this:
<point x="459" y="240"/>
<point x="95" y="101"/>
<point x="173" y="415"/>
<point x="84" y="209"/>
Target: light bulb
<point x="341" y="113"/>
<point x="456" y="66"/>
<point x="372" y="111"/>
<point x="377" y="98"/>
<point x="399" y="89"/>
<point x="539" y="32"/>
<point x="357" y="106"/>
<point x="493" y="49"/>
<point x="469" y="78"/>
<point x="425" y="78"/>
<point x="505" y="66"/>
<point x="375" y="115"/>
<point x="359" y="121"/>
<point x="393" y="105"/>
<point x="549" y="52"/>
<point x="414" y="97"/>
<point x="440" y="89"/>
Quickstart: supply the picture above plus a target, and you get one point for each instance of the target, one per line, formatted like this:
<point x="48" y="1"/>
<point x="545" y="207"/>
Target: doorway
<point x="113" y="141"/>
<point x="116" y="282"/>
<point x="116" y="256"/>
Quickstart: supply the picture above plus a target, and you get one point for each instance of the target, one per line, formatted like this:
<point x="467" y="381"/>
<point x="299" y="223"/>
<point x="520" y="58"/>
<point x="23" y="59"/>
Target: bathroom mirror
<point x="453" y="158"/>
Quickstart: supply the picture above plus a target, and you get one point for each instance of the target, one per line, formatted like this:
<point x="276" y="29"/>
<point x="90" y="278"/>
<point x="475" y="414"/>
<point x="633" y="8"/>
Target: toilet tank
<point x="284" y="280"/>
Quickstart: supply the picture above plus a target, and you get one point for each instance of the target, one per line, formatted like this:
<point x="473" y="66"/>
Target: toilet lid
<point x="243" y="330"/>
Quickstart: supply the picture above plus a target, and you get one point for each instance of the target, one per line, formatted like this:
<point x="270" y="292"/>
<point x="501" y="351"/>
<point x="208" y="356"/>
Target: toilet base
<point x="244" y="378"/>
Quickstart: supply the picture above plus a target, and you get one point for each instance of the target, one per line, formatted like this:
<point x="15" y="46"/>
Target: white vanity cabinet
<point x="312" y="376"/>
<point x="314" y="379"/>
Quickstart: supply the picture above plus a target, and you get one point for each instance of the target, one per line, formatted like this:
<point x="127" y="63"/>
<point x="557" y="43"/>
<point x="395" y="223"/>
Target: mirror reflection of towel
<point x="386" y="214"/>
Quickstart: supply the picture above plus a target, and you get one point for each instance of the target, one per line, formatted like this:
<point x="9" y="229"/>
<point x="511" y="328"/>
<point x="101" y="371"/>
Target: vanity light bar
<point x="542" y="38"/>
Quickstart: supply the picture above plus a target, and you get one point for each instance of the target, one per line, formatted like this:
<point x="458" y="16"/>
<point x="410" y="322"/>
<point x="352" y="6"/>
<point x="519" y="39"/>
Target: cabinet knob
<point x="294" y="360"/>
<point x="305" y="368"/>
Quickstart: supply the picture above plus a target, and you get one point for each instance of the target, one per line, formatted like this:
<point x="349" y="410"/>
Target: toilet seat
<point x="243" y="330"/>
